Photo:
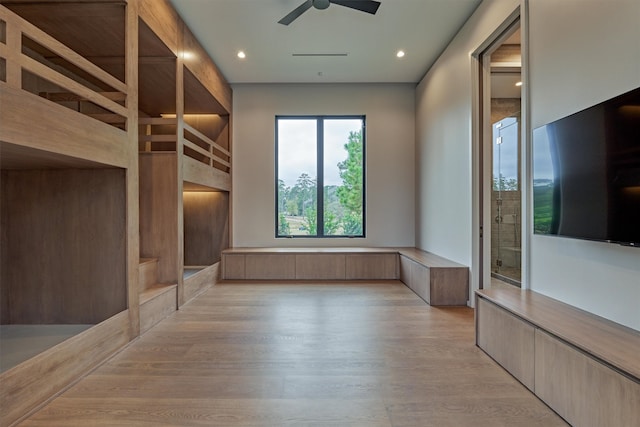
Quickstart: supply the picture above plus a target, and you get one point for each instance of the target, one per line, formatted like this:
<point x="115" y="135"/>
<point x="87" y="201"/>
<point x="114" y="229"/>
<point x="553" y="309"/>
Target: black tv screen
<point x="586" y="173"/>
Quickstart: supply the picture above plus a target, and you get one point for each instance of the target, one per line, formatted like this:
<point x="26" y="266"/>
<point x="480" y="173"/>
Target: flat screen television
<point x="586" y="173"/>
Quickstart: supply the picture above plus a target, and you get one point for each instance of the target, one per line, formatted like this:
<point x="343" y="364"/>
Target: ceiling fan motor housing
<point x="321" y="4"/>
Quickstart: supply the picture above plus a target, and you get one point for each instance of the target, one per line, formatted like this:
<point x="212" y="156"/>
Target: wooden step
<point x="156" y="303"/>
<point x="147" y="273"/>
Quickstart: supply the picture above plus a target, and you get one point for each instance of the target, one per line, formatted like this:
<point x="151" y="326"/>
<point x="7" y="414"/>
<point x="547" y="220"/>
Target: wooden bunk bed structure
<point x="115" y="181"/>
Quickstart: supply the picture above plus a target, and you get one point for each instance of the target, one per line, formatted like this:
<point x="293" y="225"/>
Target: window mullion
<point x="320" y="178"/>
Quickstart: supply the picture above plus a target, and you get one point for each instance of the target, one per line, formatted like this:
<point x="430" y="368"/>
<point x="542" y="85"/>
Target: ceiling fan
<point x="368" y="6"/>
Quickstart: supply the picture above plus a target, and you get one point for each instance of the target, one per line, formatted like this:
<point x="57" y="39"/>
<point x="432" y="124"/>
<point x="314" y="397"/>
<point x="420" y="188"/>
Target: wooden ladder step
<point x="147" y="272"/>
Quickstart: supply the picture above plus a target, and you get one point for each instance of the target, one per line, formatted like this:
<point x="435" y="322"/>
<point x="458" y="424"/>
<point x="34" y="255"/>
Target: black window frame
<point x="320" y="175"/>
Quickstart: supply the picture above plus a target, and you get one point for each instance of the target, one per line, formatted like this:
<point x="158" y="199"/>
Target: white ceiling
<point x="422" y="28"/>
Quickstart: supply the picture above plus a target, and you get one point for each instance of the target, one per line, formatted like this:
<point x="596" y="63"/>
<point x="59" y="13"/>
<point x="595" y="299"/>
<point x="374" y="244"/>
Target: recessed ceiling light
<point x="241" y="54"/>
<point x="400" y="54"/>
<point x="519" y="84"/>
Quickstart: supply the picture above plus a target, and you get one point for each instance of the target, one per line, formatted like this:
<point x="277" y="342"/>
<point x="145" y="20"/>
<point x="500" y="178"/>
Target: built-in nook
<point x="206" y="231"/>
<point x="63" y="255"/>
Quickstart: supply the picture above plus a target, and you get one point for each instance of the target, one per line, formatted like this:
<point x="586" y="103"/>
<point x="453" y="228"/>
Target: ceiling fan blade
<point x="368" y="6"/>
<point x="296" y="13"/>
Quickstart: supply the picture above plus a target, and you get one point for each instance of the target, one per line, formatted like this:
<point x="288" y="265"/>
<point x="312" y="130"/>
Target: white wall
<point x="581" y="53"/>
<point x="389" y="110"/>
<point x="444" y="109"/>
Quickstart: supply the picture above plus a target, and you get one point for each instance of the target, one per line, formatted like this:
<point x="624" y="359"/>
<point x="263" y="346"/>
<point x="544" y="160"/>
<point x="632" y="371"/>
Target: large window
<point x="320" y="176"/>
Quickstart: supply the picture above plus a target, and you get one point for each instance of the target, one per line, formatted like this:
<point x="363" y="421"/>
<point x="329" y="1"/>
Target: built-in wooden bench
<point x="584" y="367"/>
<point x="310" y="263"/>
<point x="435" y="279"/>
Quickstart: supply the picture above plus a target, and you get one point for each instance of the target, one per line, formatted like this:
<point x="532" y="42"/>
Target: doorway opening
<point x="501" y="148"/>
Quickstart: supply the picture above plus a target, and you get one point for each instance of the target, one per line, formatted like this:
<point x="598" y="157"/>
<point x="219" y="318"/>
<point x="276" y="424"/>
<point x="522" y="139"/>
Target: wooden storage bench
<point x="584" y="367"/>
<point x="310" y="264"/>
<point x="436" y="280"/>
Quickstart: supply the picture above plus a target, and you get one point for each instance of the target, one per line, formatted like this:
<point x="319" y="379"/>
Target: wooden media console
<point x="584" y="367"/>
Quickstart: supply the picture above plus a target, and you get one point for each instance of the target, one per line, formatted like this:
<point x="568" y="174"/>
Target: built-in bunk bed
<point x="89" y="92"/>
<point x="184" y="176"/>
<point x="67" y="175"/>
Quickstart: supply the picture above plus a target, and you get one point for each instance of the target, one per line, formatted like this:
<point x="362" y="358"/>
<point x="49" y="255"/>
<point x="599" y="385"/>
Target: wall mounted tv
<point x="586" y="173"/>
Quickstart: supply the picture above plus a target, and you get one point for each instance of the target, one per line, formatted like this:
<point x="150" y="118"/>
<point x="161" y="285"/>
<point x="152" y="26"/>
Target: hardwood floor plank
<point x="305" y="355"/>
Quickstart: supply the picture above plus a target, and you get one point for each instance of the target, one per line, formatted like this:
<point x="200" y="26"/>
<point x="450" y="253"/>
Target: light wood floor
<point x="308" y="355"/>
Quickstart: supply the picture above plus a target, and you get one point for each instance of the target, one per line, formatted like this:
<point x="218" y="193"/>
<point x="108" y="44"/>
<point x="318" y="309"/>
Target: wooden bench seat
<point x="310" y="264"/>
<point x="584" y="367"/>
<point x="435" y="279"/>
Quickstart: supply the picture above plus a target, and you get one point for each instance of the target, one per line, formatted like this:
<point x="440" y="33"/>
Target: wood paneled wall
<point x="206" y="227"/>
<point x="63" y="245"/>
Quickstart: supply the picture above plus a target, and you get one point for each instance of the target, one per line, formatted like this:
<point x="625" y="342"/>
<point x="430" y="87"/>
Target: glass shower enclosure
<point x="506" y="202"/>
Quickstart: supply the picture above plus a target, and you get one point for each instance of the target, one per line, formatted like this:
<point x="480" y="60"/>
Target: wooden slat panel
<point x="199" y="173"/>
<point x="54" y="77"/>
<point x="197" y="148"/>
<point x="206" y="139"/>
<point x="31" y="383"/>
<point x="583" y="391"/>
<point x="508" y="339"/>
<point x="71" y="133"/>
<point x="12" y="52"/>
<point x="55" y="46"/>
